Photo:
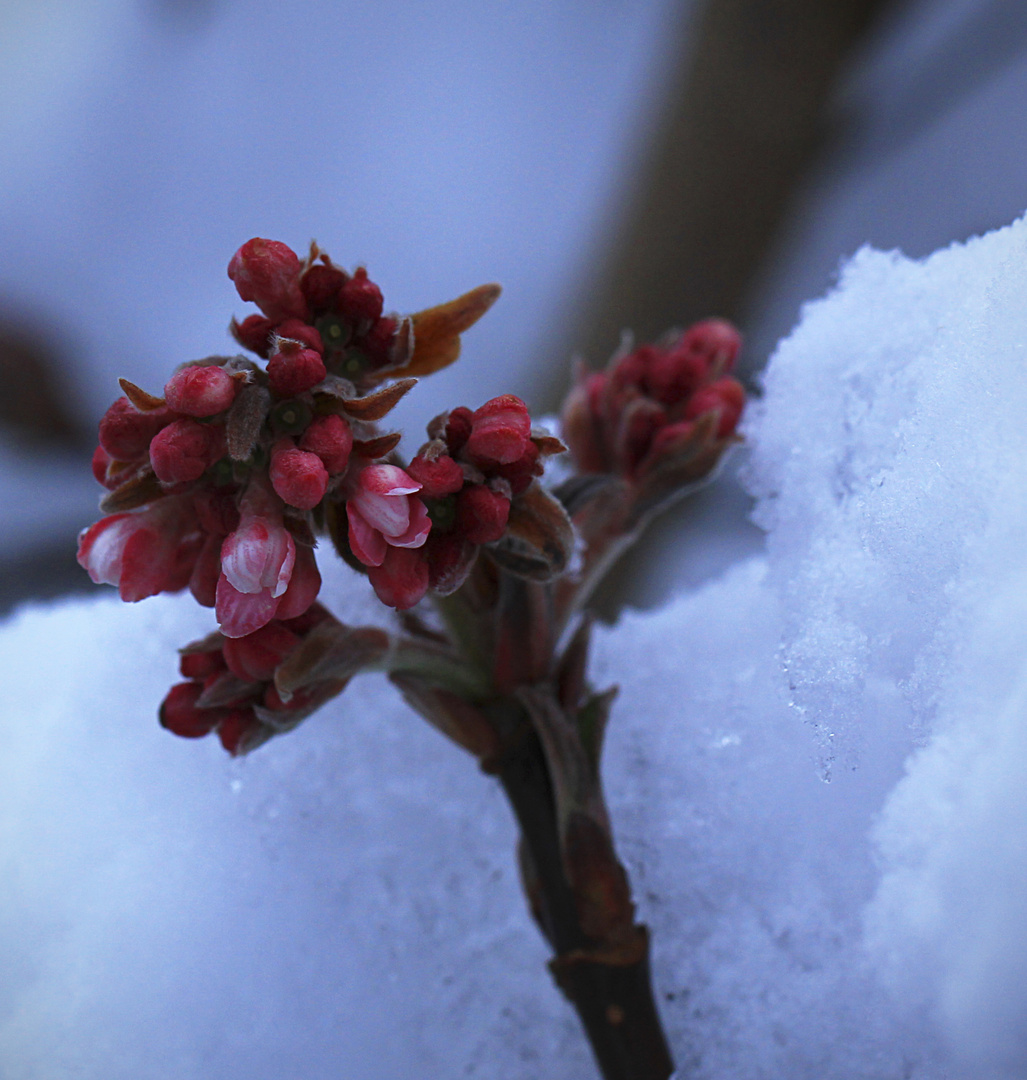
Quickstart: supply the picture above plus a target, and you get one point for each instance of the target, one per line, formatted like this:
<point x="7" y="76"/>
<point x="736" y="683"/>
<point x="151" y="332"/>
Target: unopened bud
<point x="256" y="655"/>
<point x="183" y="451"/>
<point x="125" y="432"/>
<point x="267" y="272"/>
<point x="293" y="370"/>
<point x="180" y="715"/>
<point x="360" y="299"/>
<point x="253" y="333"/>
<point x="727" y="396"/>
<point x="331" y="439"/>
<point x="200" y="390"/>
<point x="298" y="477"/>
<point x="500" y="430"/>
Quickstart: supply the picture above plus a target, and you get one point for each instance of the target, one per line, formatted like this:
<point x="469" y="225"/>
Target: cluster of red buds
<point x="230" y="685"/>
<point x="225" y="482"/>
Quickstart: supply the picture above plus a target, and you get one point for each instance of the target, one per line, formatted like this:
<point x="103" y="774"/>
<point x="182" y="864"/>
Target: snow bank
<point x="344" y="902"/>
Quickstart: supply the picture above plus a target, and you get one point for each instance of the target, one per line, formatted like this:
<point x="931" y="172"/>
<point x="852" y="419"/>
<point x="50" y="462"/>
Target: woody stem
<point x="613" y="1000"/>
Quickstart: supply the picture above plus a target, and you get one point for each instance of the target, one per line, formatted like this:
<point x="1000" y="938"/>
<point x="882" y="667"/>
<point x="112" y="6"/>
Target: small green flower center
<point x="442" y="512"/>
<point x="290" y="417"/>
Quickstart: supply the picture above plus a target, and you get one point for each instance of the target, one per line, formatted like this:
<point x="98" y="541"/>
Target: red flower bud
<point x="302" y="332"/>
<point x="481" y="514"/>
<point x="727" y="396"/>
<point x="438" y="477"/>
<point x="402" y="578"/>
<point x="253" y="333"/>
<point x="125" y="432"/>
<point x="377" y="342"/>
<point x="299" y="478"/>
<point x="101" y="459"/>
<point x="179" y="713"/>
<point x="321" y="285"/>
<point x="256" y="655"/>
<point x="293" y="370"/>
<point x="500" y="430"/>
<point x="183" y="451"/>
<point x="715" y="339"/>
<point x="200" y="390"/>
<point x="458" y="429"/>
<point x="267" y="272"/>
<point x="360" y="299"/>
<point x="239" y="731"/>
<point x="201" y="665"/>
<point x="331" y="439"/>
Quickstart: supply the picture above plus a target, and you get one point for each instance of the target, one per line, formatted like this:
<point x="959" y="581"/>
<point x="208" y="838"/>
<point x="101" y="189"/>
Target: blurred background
<point x="613" y="164"/>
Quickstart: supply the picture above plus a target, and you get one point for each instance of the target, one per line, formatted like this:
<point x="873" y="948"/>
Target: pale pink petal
<point x="303" y="587"/>
<point x="258" y="555"/>
<point x="420" y="526"/>
<point x="390" y="514"/>
<point x="367" y="543"/>
<point x="387" y="480"/>
<point x="101" y="545"/>
<point x="241" y="613"/>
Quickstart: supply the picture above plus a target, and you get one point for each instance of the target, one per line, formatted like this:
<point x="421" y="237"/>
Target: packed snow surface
<point x="817" y="770"/>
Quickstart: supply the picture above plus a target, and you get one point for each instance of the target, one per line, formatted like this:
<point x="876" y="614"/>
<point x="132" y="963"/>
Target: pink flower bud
<point x="500" y="430"/>
<point x="184" y="450"/>
<point x="240" y="731"/>
<point x="200" y="390"/>
<point x="321" y="285"/>
<point x="726" y="396"/>
<point x="180" y="715"/>
<point x="384" y="513"/>
<point x="580" y="424"/>
<point x="331" y="439"/>
<point x="481" y="514"/>
<point x="715" y="339"/>
<point x="293" y="370"/>
<point x="267" y="272"/>
<point x="253" y="333"/>
<point x="401" y="580"/>
<point x="298" y="477"/>
<point x="458" y="429"/>
<point x="141" y="552"/>
<point x="125" y="432"/>
<point x="256" y="655"/>
<point x="256" y="565"/>
<point x="203" y="581"/>
<point x="101" y="462"/>
<point x="201" y="665"/>
<point x="304" y="333"/>
<point x="438" y="476"/>
<point x="304" y="585"/>
<point x="360" y="299"/>
<point x="377" y="342"/>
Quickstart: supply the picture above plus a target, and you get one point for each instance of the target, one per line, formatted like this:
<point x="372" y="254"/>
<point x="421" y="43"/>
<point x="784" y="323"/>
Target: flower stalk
<point x="225" y="484"/>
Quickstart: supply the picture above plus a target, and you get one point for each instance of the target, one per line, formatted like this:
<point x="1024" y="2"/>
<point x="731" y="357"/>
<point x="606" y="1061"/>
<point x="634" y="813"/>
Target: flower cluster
<point x="230" y="685"/>
<point x="224" y="483"/>
<point x="656" y="400"/>
<point x="316" y="320"/>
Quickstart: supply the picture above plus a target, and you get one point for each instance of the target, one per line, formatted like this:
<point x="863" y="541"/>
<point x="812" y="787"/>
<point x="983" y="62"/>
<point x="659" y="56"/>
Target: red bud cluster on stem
<point x="225" y="484"/>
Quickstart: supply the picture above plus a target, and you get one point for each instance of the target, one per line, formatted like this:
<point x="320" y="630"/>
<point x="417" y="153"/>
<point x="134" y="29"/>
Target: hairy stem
<point x="612" y="994"/>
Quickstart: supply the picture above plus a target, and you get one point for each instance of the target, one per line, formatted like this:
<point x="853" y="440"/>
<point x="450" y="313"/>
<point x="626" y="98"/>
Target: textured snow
<point x="817" y="770"/>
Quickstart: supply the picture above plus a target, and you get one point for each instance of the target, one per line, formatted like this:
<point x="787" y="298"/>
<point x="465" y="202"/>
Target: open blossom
<point x="143" y="552"/>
